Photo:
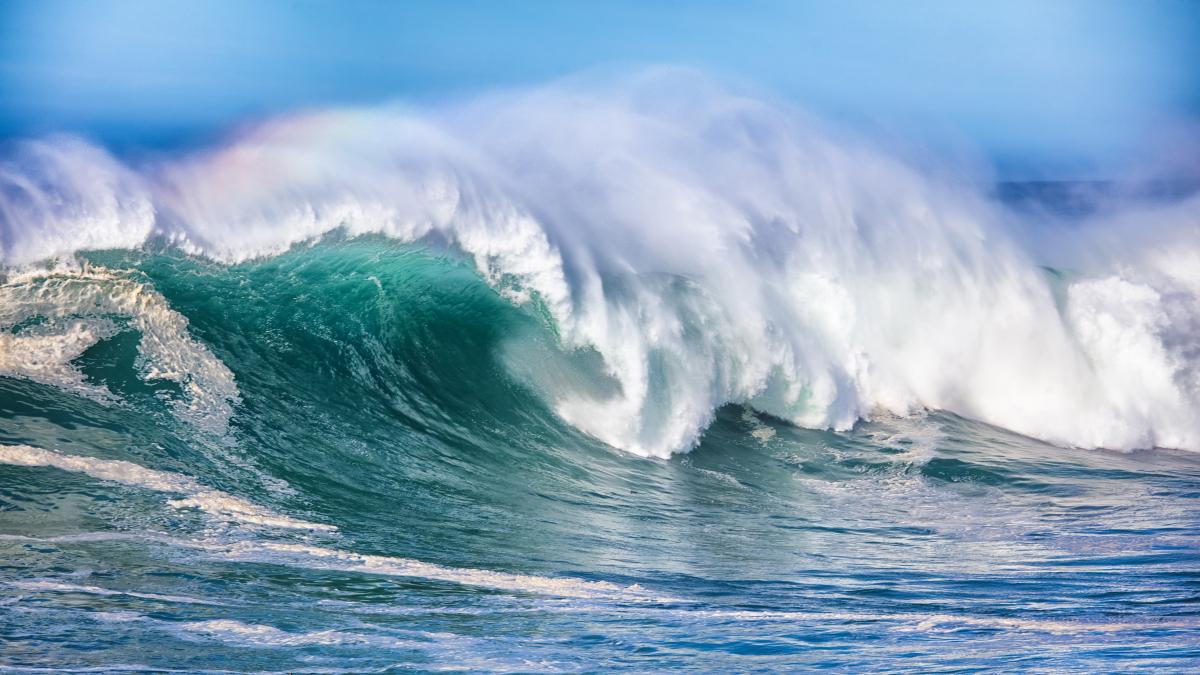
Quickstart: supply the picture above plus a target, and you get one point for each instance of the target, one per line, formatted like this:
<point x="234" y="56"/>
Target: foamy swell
<point x="709" y="247"/>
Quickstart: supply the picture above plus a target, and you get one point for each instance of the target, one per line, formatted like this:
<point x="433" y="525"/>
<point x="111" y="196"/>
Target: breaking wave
<point x="675" y="247"/>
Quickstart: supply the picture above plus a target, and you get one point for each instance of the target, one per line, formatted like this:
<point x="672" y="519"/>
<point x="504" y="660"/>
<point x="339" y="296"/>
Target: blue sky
<point x="1045" y="83"/>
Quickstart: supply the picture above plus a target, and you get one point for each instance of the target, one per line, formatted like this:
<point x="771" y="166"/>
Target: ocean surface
<point x="651" y="381"/>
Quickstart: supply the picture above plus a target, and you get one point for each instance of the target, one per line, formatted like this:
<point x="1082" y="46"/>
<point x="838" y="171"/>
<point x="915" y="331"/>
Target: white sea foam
<point x="49" y="318"/>
<point x="44" y="352"/>
<point x="710" y="248"/>
<point x="260" y="635"/>
<point x="306" y="556"/>
<point x="940" y="622"/>
<point x="317" y="557"/>
<point x="758" y="430"/>
<point x="219" y="504"/>
<point x="48" y="585"/>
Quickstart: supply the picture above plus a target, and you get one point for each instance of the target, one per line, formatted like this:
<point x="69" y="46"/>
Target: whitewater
<point x="647" y="372"/>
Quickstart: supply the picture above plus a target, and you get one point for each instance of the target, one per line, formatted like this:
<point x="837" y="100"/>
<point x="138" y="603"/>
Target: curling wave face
<point x="688" y="248"/>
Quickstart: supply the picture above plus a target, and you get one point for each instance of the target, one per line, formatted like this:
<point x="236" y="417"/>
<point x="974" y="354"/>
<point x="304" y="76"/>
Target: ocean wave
<point x="707" y="247"/>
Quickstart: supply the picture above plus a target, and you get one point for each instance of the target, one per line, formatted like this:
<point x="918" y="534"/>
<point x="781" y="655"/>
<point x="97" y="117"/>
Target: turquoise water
<point x="379" y="492"/>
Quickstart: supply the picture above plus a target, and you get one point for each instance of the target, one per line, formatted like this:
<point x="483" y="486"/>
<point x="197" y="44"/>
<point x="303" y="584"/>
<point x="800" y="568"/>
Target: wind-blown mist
<point x="691" y="247"/>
